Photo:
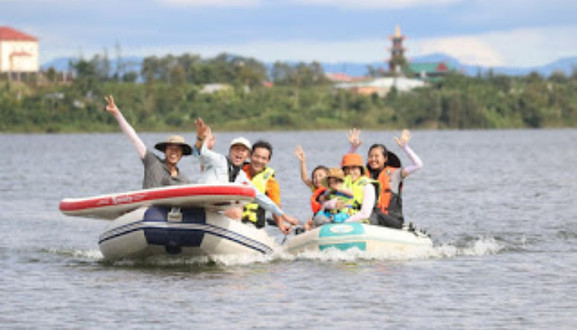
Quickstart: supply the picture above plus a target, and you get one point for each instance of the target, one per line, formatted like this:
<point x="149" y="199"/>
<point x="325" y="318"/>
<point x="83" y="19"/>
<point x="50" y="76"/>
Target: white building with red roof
<point x="18" y="51"/>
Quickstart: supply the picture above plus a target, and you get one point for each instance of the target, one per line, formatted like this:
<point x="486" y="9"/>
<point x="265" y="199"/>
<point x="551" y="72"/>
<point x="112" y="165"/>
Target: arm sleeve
<point x="368" y="204"/>
<point x="206" y="156"/>
<point x="260" y="198"/>
<point x="417" y="163"/>
<point x="214" y="166"/>
<point x="131" y="134"/>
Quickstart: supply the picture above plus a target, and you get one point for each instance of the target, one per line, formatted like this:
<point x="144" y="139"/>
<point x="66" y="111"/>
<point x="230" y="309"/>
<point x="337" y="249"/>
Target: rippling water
<point x="499" y="204"/>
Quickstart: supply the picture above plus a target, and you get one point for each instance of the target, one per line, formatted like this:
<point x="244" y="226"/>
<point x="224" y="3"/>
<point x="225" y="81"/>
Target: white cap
<point x="242" y="141"/>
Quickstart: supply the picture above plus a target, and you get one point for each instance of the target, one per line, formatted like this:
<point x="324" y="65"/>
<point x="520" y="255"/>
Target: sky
<point x="490" y="33"/>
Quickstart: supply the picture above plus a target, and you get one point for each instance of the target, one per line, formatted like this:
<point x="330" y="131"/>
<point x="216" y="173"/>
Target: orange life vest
<point x="389" y="202"/>
<point x="315" y="204"/>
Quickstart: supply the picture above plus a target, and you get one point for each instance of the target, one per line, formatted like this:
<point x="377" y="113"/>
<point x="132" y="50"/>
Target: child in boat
<point x="336" y="200"/>
<point x="318" y="174"/>
<point x="316" y="184"/>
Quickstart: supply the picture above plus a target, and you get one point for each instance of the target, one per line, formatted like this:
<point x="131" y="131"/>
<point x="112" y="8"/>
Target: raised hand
<point x="405" y="138"/>
<point x="300" y="153"/>
<point x="111" y="106"/>
<point x="354" y="136"/>
<point x="202" y="130"/>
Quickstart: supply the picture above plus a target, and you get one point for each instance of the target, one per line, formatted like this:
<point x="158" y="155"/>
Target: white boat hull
<point x="152" y="231"/>
<point x="356" y="235"/>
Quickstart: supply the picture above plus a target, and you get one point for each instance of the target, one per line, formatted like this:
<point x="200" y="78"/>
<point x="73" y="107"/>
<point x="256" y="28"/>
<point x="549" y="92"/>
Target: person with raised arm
<point x="221" y="169"/>
<point x="316" y="185"/>
<point x="157" y="172"/>
<point x="385" y="167"/>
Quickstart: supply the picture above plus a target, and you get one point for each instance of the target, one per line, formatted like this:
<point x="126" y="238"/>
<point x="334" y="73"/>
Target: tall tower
<point x="397" y="62"/>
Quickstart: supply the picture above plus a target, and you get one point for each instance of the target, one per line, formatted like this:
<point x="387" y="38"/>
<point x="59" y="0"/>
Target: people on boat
<point x="385" y="167"/>
<point x="317" y="175"/>
<point x="358" y="194"/>
<point x="365" y="190"/>
<point x="157" y="172"/>
<point x="336" y="200"/>
<point x="262" y="176"/>
<point x="316" y="185"/>
<point x="221" y="169"/>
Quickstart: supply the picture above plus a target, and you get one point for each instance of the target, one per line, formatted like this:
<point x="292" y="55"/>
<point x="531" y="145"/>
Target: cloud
<point x="377" y="3"/>
<point x="213" y="3"/>
<point x="522" y="47"/>
<point x="290" y="50"/>
<point x="470" y="50"/>
<point x="525" y="47"/>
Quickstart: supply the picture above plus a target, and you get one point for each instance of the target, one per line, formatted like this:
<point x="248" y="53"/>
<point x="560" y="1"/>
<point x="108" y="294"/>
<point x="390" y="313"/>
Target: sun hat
<point x="175" y="140"/>
<point x="334" y="172"/>
<point x="241" y="141"/>
<point x="353" y="160"/>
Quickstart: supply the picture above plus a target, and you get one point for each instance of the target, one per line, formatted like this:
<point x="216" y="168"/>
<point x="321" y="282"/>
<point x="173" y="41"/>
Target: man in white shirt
<point x="221" y="169"/>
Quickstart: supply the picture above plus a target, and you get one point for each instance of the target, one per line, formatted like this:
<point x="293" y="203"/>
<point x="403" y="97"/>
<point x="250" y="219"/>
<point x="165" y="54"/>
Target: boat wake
<point x="84" y="255"/>
<point x="480" y="246"/>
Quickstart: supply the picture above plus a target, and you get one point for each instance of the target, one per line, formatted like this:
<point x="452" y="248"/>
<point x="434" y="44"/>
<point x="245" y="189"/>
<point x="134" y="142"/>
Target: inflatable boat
<point x="176" y="220"/>
<point x="364" y="237"/>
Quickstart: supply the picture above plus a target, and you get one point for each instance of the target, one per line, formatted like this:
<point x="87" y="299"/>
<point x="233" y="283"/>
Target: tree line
<point x="167" y="94"/>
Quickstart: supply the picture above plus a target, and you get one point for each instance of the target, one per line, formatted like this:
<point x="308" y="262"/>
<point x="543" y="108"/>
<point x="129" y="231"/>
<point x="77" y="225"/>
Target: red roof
<point x="442" y="67"/>
<point x="339" y="77"/>
<point x="20" y="54"/>
<point x="8" y="33"/>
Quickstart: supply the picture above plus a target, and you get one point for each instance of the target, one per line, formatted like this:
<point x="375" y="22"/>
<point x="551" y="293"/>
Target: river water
<point x="500" y="206"/>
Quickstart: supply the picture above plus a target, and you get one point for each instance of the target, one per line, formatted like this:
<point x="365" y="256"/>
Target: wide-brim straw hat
<point x="175" y="140"/>
<point x="334" y="172"/>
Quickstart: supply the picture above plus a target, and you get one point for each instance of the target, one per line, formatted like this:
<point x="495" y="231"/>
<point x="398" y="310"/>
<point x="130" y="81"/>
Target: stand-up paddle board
<point x="111" y="206"/>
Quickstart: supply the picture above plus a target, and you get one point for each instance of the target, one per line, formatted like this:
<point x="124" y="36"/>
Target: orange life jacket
<point x="315" y="204"/>
<point x="389" y="202"/>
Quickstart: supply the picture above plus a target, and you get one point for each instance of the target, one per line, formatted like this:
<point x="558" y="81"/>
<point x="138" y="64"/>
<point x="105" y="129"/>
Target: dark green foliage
<point x="168" y="97"/>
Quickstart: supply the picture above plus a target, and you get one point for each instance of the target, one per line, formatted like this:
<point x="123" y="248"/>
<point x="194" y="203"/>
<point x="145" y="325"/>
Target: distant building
<point x="430" y="71"/>
<point x="382" y="86"/>
<point x="338" y="77"/>
<point x="397" y="62"/>
<point x="214" y="88"/>
<point x="400" y="66"/>
<point x="18" y="52"/>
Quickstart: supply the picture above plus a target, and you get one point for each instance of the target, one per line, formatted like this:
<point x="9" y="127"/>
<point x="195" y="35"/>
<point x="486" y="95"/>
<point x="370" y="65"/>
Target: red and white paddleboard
<point x="112" y="206"/>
